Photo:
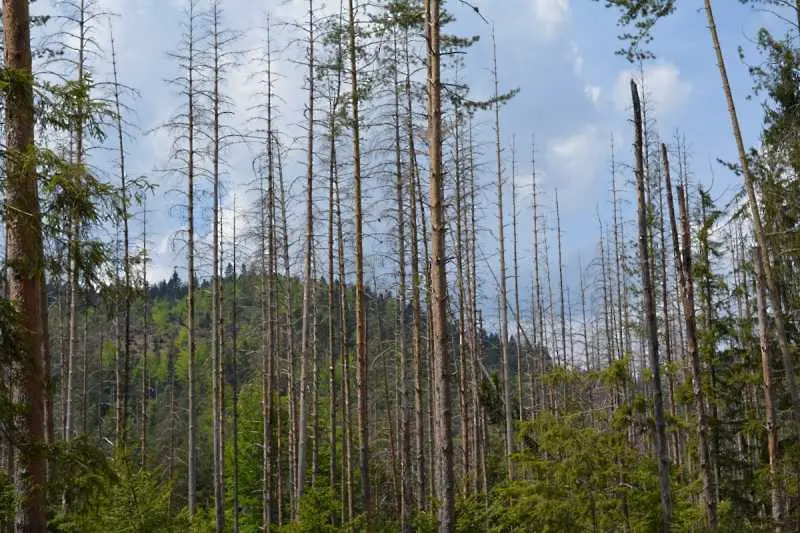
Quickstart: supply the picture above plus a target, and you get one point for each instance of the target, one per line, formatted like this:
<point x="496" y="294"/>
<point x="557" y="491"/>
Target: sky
<point x="574" y="96"/>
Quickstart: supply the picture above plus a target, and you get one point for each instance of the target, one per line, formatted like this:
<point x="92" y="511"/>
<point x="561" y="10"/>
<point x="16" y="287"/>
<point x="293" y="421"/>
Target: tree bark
<point x="687" y="294"/>
<point x="25" y="262"/>
<point x="776" y="490"/>
<point x="662" y="454"/>
<point x="441" y="352"/>
<point x="509" y="419"/>
<point x="763" y="248"/>
<point x="361" y="315"/>
<point x="305" y="333"/>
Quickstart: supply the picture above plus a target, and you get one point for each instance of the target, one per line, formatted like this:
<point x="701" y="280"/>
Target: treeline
<point x="359" y="368"/>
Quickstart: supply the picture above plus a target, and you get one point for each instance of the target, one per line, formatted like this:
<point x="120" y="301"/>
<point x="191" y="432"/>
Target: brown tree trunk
<point x="441" y="352"/>
<point x="687" y="294"/>
<point x="25" y="262"/>
<point x="686" y="289"/>
<point x="361" y="315"/>
<point x="776" y="490"/>
<point x="763" y="247"/>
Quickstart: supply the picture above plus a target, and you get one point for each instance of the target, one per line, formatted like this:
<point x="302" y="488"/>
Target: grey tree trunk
<point x="662" y="453"/>
<point x="509" y="419"/>
<point x="305" y="333"/>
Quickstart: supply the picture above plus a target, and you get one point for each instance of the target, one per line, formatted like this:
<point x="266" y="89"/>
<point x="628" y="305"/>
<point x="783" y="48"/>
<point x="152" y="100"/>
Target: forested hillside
<point x="377" y="319"/>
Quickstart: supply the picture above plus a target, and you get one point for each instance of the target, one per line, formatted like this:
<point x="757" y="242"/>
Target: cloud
<point x="592" y="93"/>
<point x="573" y="158"/>
<point x="577" y="59"/>
<point x="665" y="88"/>
<point x="550" y="15"/>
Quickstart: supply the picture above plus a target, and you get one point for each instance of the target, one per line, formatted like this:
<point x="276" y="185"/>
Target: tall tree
<point x="509" y="419"/>
<point x="662" y="454"/>
<point x="361" y="315"/>
<point x="25" y="259"/>
<point x="441" y="352"/>
<point x="308" y="279"/>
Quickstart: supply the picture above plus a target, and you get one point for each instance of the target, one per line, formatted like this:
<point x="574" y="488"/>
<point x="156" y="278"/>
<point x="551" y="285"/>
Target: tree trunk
<point x="441" y="353"/>
<point x="191" y="461"/>
<point x="515" y="267"/>
<point x="662" y="454"/>
<point x="763" y="248"/>
<point x="216" y="288"/>
<point x="687" y="294"/>
<point x="406" y="496"/>
<point x="361" y="316"/>
<point x="268" y="264"/>
<point x="509" y="419"/>
<point x="776" y="490"/>
<point x="25" y="261"/>
<point x="685" y="278"/>
<point x="416" y="301"/>
<point x="235" y="374"/>
<point x="305" y="333"/>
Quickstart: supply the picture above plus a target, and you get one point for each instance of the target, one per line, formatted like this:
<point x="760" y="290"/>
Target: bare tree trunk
<point x="676" y="452"/>
<point x="687" y="293"/>
<point x="416" y="302"/>
<point x="268" y="260"/>
<point x="537" y="370"/>
<point x="305" y="333"/>
<point x="471" y="274"/>
<point x="216" y="288"/>
<point x="191" y="461"/>
<point x="509" y="419"/>
<point x="361" y="316"/>
<point x="561" y="281"/>
<point x="406" y="497"/>
<point x="758" y="228"/>
<point x="464" y="428"/>
<point x="235" y="373"/>
<point x="288" y="348"/>
<point x="517" y="316"/>
<point x="776" y="490"/>
<point x="145" y="341"/>
<point x="25" y="261"/>
<point x="662" y="454"/>
<point x="348" y="438"/>
<point x="332" y="309"/>
<point x="441" y="353"/>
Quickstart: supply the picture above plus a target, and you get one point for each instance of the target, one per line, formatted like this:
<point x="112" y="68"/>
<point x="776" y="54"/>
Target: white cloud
<point x="577" y="59"/>
<point x="592" y="93"/>
<point x="550" y="15"/>
<point x="664" y="87"/>
<point x="574" y="158"/>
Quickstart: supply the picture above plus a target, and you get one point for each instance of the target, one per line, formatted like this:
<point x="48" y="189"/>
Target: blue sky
<point x="559" y="53"/>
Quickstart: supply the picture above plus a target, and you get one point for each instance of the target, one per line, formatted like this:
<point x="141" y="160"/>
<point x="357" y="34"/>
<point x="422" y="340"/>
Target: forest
<point x="370" y="320"/>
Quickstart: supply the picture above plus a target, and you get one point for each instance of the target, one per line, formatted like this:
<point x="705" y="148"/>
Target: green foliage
<point x="105" y="495"/>
<point x="638" y="18"/>
<point x="578" y="478"/>
<point x="319" y="510"/>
